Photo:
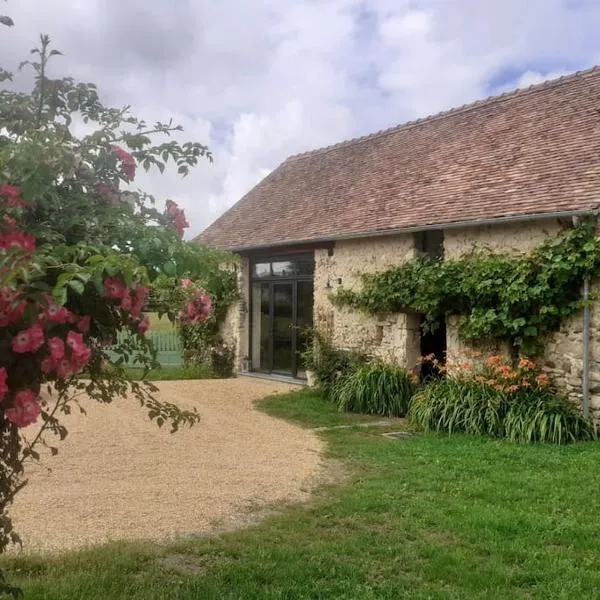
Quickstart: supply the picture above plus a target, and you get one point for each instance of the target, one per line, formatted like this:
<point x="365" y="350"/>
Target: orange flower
<point x="542" y="379"/>
<point x="498" y="387"/>
<point x="467" y="365"/>
<point x="525" y="383"/>
<point x="525" y="363"/>
<point x="513" y="388"/>
<point x="494" y="360"/>
<point x="480" y="379"/>
<point x="491" y="382"/>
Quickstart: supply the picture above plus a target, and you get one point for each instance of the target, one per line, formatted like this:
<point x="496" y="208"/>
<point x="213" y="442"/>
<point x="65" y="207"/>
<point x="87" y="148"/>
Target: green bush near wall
<point x="375" y="388"/>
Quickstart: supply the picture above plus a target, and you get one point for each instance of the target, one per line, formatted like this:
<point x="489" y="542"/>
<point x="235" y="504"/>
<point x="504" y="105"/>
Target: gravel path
<point x="117" y="476"/>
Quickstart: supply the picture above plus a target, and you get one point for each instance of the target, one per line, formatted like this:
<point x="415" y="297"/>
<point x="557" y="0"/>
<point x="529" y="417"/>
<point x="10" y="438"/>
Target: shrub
<point x="375" y="388"/>
<point x="497" y="399"/>
<point x="547" y="417"/>
<point x="455" y="406"/>
<point x="222" y="359"/>
<point x="329" y="364"/>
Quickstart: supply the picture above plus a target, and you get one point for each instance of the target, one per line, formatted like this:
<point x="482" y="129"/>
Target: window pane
<point x="305" y="266"/>
<point x="262" y="269"/>
<point x="284" y="269"/>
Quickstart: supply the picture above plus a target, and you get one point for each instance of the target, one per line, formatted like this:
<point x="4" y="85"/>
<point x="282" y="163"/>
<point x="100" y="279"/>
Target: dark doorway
<point x="282" y="313"/>
<point x="433" y="343"/>
<point x="431" y="244"/>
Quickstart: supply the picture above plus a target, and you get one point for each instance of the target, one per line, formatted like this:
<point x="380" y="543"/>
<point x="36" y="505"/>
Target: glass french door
<point x="281" y="316"/>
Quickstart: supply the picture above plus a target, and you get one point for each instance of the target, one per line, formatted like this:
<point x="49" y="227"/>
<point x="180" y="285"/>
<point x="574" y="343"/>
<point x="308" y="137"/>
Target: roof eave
<point x="417" y="228"/>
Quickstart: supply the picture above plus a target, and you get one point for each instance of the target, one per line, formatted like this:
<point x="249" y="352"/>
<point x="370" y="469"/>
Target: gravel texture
<point x="118" y="476"/>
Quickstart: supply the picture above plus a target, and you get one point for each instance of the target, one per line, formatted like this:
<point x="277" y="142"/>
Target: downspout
<point x="586" y="349"/>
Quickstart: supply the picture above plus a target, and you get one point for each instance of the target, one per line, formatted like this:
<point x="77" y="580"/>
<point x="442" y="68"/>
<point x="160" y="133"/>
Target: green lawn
<point x="171" y="373"/>
<point x="157" y="324"/>
<point x="425" y="517"/>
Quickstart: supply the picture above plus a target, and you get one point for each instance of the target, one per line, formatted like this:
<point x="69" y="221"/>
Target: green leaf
<point x="77" y="286"/>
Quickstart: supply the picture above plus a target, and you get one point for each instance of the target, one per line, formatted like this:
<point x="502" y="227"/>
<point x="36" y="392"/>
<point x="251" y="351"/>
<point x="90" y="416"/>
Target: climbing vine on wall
<point x="502" y="298"/>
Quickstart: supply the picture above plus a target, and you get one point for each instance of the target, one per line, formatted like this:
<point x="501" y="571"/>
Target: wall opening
<point x="431" y="243"/>
<point x="433" y="342"/>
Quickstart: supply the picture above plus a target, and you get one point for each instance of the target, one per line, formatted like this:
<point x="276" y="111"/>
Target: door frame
<point x="272" y="281"/>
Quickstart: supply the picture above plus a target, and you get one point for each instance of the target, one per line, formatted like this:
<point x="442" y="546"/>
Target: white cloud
<point x="261" y="80"/>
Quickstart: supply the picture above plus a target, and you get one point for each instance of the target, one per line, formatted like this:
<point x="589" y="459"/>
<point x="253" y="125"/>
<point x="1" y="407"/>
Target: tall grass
<point x="547" y="418"/>
<point x="458" y="406"/>
<point x="467" y="406"/>
<point x="374" y="388"/>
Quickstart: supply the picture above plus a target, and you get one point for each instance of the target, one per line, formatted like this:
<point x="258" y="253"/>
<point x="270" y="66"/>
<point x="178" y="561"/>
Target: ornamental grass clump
<point x="375" y="388"/>
<point x="495" y="398"/>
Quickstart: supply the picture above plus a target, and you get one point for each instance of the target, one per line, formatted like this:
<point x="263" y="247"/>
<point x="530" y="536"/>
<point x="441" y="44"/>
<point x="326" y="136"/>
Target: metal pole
<point x="586" y="349"/>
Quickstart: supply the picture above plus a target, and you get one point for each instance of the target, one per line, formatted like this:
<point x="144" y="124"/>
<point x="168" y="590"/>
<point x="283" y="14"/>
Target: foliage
<point x="329" y="364"/>
<point x="517" y="299"/>
<point x="499" y="400"/>
<point x="222" y="359"/>
<point x="375" y="388"/>
<point x="79" y="250"/>
<point x="202" y="344"/>
<point x="546" y="417"/>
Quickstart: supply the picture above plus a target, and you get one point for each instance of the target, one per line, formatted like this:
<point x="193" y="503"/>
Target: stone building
<point x="502" y="173"/>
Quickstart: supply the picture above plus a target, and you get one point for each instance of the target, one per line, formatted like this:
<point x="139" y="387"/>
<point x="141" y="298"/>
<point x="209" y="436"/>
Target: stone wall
<point x="235" y="327"/>
<point x="392" y="337"/>
<point x="564" y="349"/>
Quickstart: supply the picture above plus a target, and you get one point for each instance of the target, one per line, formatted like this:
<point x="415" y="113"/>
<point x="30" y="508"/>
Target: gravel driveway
<point x="117" y="476"/>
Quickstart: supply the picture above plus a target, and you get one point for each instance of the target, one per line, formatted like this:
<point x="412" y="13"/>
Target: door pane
<point x="305" y="321"/>
<point x="260" y="327"/>
<point x="283" y="320"/>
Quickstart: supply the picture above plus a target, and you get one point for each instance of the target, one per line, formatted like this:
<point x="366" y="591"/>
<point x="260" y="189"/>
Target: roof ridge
<point x="504" y="96"/>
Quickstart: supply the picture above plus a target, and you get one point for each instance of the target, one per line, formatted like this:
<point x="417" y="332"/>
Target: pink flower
<point x="25" y="409"/>
<point x="28" y="340"/>
<point x="127" y="161"/>
<point x="3" y="384"/>
<point x="75" y="340"/>
<point x="80" y="353"/>
<point x="55" y="313"/>
<point x="64" y="369"/>
<point x="126" y="301"/>
<point x="81" y="358"/>
<point x="48" y="365"/>
<point x="19" y="240"/>
<point x="177" y="217"/>
<point x="143" y="325"/>
<point x="139" y="300"/>
<point x="186" y="283"/>
<point x="198" y="309"/>
<point x="172" y="208"/>
<point x="12" y="194"/>
<point x="114" y="288"/>
<point x="84" y="323"/>
<point x="181" y="223"/>
<point x="57" y="348"/>
<point x="12" y="306"/>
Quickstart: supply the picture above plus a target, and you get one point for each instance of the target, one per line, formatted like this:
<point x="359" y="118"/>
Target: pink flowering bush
<point x="79" y="254"/>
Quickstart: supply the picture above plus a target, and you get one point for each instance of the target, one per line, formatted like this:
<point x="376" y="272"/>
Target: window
<point x="301" y="266"/>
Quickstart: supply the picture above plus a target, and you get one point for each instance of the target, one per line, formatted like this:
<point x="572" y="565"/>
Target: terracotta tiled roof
<point x="529" y="152"/>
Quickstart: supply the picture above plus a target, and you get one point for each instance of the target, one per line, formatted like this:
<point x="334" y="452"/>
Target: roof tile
<point x="532" y="151"/>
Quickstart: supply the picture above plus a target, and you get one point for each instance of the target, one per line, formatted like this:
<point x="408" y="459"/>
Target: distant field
<point x="158" y="325"/>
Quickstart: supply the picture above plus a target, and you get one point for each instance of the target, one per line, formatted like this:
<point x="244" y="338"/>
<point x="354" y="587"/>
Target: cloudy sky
<point x="258" y="81"/>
